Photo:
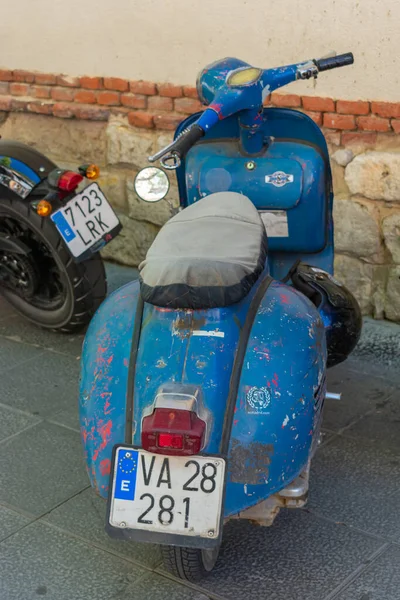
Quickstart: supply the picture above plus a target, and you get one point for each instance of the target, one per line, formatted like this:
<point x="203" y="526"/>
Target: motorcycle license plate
<point x="86" y="222"/>
<point x="179" y="495"/>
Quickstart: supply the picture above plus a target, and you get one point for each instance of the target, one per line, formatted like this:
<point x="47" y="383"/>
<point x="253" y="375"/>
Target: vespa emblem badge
<point x="258" y="398"/>
<point x="279" y="178"/>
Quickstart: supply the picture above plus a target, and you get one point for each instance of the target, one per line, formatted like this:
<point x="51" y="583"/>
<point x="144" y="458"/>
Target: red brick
<point x="333" y="137"/>
<point x="187" y="106"/>
<point x="373" y="124"/>
<point x="159" y="103"/>
<point x="91" y="83"/>
<point x="170" y="90"/>
<point x="67" y="81"/>
<point x="334" y="121"/>
<point x="5" y="75"/>
<point x="134" y="100"/>
<point x="5" y="103"/>
<point x="318" y="104"/>
<point x="351" y="107"/>
<point x="108" y="98"/>
<point x="63" y="110"/>
<point x="315" y="116"/>
<point x="41" y="108"/>
<point x="20" y="89"/>
<point x="62" y="94"/>
<point x="141" y="119"/>
<point x="114" y="83"/>
<point x="170" y="122"/>
<point x="45" y="79"/>
<point x="85" y="97"/>
<point x="4" y="88"/>
<point x="143" y="87"/>
<point x="41" y="91"/>
<point x="23" y="76"/>
<point x="286" y="100"/>
<point x="90" y="113"/>
<point x="367" y="139"/>
<point x="386" y="109"/>
<point x="396" y="125"/>
<point x="190" y="92"/>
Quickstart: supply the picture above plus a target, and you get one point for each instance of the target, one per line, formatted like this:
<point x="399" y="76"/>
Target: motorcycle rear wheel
<point x="190" y="564"/>
<point x="79" y="288"/>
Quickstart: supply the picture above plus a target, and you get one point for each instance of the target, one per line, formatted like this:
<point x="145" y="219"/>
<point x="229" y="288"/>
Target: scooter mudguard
<point x="277" y="406"/>
<point x="104" y="377"/>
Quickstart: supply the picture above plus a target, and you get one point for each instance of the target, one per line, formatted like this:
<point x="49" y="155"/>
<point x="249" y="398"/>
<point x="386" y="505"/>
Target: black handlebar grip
<point x="324" y="64"/>
<point x="188" y="139"/>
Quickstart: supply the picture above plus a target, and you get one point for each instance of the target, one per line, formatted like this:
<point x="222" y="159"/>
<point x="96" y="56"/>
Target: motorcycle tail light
<point x="69" y="181"/>
<point x="173" y="432"/>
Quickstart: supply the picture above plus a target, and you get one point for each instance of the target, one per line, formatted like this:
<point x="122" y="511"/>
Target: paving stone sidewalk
<point x="344" y="546"/>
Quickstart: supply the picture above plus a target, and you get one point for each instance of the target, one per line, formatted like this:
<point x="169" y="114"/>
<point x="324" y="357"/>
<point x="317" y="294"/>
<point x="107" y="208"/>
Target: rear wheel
<point x="47" y="286"/>
<point x="189" y="563"/>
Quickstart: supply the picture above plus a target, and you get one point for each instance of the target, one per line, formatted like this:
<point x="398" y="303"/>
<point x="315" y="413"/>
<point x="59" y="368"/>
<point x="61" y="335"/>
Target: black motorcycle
<point x="53" y="222"/>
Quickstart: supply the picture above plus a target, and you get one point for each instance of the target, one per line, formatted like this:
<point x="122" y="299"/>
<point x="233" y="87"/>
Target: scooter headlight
<point x="245" y="76"/>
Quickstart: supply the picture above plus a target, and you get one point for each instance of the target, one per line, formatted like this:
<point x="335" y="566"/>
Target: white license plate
<point x="85" y="220"/>
<point x="169" y="494"/>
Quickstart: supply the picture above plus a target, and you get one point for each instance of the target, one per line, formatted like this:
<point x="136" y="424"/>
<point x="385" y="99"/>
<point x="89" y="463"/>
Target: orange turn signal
<point x="44" y="208"/>
<point x="92" y="172"/>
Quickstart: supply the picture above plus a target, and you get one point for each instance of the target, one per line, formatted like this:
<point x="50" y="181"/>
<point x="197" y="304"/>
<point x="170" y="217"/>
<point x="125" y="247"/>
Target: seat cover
<point x="208" y="255"/>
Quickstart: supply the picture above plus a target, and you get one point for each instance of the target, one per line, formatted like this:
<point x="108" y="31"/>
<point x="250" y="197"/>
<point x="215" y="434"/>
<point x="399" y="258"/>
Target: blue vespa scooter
<point x="203" y="383"/>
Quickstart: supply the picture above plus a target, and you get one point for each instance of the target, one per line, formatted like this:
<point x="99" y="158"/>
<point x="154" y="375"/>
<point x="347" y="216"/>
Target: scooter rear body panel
<point x="278" y="401"/>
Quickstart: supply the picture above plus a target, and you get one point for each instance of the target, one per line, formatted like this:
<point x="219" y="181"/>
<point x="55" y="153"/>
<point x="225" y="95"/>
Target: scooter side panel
<point x="280" y="397"/>
<point x="104" y="377"/>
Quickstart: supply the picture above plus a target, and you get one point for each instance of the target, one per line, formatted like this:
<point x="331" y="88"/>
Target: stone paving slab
<point x="381" y="581"/>
<point x="11" y="522"/>
<point x="42" y="561"/>
<point x="41" y="467"/>
<point x="14" y="421"/>
<point x="14" y="354"/>
<point x="85" y="515"/>
<point x="300" y="557"/>
<point x="43" y="385"/>
<point x="360" y="394"/>
<point x="356" y="482"/>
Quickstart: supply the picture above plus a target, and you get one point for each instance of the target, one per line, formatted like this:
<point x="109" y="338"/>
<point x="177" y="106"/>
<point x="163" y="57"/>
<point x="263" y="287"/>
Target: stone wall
<point x="118" y="123"/>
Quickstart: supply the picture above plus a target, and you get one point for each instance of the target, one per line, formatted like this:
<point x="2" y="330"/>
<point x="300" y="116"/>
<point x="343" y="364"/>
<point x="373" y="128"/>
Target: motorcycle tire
<point x="84" y="284"/>
<point x="189" y="564"/>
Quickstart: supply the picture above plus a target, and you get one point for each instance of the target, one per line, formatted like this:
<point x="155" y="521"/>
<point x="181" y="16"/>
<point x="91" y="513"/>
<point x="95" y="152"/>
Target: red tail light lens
<point x="69" y="181"/>
<point x="170" y="440"/>
<point x="173" y="432"/>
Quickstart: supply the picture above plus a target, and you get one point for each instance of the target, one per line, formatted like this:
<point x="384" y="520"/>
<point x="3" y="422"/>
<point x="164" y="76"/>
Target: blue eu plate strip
<point x="126" y="470"/>
<point x="63" y="226"/>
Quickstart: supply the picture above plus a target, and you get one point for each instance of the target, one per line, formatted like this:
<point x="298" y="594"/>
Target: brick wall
<point x="162" y="106"/>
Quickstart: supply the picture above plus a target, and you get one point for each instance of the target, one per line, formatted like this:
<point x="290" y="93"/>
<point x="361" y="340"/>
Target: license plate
<point x="179" y="495"/>
<point x="86" y="222"/>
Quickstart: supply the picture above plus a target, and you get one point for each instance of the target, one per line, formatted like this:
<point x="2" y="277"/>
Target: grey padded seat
<point x="208" y="255"/>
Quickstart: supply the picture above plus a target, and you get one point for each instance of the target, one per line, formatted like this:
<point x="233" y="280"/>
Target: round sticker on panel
<point x="258" y="398"/>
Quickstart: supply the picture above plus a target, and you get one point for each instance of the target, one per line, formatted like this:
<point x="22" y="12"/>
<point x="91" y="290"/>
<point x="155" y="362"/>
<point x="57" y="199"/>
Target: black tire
<point x="84" y="284"/>
<point x="190" y="564"/>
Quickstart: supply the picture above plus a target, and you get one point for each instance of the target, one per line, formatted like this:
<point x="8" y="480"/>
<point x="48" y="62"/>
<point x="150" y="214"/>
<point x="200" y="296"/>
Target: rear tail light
<point x="69" y="181"/>
<point x="173" y="431"/>
<point x="66" y="181"/>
